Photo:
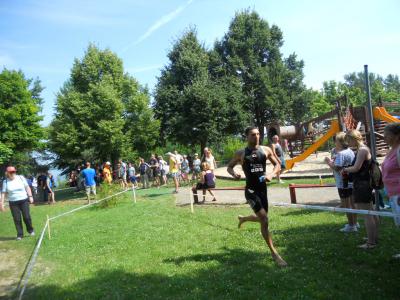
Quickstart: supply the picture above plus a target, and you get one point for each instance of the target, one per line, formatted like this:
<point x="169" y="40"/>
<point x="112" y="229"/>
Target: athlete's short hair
<point x="250" y="128"/>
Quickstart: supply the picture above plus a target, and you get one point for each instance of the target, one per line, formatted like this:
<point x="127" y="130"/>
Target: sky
<point x="42" y="38"/>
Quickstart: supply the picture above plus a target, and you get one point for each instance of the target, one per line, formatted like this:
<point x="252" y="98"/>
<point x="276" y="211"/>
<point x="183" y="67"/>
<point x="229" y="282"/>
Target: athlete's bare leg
<point x="262" y="218"/>
<point x="251" y="218"/>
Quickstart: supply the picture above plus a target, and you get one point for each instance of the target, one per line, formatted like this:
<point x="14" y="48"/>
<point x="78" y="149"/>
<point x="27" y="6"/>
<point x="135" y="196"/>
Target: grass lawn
<point x="155" y="250"/>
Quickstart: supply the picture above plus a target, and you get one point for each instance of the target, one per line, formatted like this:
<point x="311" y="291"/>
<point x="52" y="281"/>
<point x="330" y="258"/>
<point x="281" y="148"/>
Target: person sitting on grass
<point x="207" y="182"/>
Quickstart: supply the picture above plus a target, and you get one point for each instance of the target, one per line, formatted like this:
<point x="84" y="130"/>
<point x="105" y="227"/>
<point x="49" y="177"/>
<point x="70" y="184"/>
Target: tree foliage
<point x="193" y="106"/>
<point x="20" y="105"/>
<point x="101" y="112"/>
<point x="271" y="84"/>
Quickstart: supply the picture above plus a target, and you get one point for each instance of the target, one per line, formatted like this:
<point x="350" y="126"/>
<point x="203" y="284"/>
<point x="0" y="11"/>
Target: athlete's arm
<point x="272" y="158"/>
<point x="235" y="160"/>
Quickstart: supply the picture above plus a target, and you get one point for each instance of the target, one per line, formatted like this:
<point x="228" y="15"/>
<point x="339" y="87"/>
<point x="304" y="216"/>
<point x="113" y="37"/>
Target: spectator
<point x="185" y="170"/>
<point x="362" y="190"/>
<point x="19" y="196"/>
<point x="209" y="158"/>
<point x="42" y="194"/>
<point x="50" y="189"/>
<point x="132" y="174"/>
<point x="144" y="173"/>
<point x="34" y="188"/>
<point x="123" y="172"/>
<point x="72" y="179"/>
<point x="343" y="157"/>
<point x="196" y="166"/>
<point x="207" y="182"/>
<point x="278" y="151"/>
<point x="174" y="170"/>
<point x="90" y="183"/>
<point x="163" y="168"/>
<point x="107" y="173"/>
<point x="155" y="171"/>
<point x="391" y="169"/>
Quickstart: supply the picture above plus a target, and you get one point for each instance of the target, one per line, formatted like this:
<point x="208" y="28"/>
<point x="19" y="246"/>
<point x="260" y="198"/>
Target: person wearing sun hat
<point x="19" y="195"/>
<point x="107" y="173"/>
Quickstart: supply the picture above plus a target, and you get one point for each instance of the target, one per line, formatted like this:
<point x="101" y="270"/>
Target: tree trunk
<point x="203" y="144"/>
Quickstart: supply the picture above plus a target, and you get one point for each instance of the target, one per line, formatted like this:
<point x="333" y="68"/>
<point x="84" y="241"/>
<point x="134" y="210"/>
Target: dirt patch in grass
<point x="12" y="263"/>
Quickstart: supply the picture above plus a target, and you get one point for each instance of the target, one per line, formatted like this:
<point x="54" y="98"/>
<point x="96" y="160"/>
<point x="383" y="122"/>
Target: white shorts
<point x="90" y="189"/>
<point x="395" y="202"/>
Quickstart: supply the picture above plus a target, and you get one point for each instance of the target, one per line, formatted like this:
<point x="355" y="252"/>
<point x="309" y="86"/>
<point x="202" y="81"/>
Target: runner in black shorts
<point x="253" y="160"/>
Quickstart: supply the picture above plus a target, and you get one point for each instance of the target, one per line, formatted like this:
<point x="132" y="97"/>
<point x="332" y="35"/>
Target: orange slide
<point x="314" y="147"/>
<point x="380" y="113"/>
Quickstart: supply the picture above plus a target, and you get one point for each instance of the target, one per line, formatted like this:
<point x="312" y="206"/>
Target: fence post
<point x="48" y="227"/>
<point x="292" y="193"/>
<point x="134" y="193"/>
<point x="191" y="201"/>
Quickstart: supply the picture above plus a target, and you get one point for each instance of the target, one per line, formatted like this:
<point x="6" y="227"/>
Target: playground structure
<point x="306" y="138"/>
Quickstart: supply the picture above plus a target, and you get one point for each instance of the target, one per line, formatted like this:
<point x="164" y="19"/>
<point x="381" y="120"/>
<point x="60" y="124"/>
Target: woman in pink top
<point x="391" y="168"/>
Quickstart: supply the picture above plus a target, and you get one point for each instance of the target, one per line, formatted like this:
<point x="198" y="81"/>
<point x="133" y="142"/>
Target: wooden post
<point x="292" y="193"/>
<point x="339" y="114"/>
<point x="48" y="227"/>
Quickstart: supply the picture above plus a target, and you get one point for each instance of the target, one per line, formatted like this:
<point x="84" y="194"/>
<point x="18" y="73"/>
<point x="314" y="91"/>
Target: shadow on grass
<point x="6" y="238"/>
<point x="321" y="260"/>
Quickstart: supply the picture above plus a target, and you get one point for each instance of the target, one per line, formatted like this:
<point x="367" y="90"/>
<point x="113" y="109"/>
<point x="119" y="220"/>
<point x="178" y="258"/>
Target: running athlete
<point x="253" y="160"/>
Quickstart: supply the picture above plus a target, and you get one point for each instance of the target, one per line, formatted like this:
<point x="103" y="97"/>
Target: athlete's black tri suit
<point x="254" y="163"/>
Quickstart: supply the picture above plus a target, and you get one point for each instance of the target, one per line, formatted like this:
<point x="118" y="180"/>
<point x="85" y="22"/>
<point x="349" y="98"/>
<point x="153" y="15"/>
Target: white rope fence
<point x="32" y="261"/>
<point x="308" y="206"/>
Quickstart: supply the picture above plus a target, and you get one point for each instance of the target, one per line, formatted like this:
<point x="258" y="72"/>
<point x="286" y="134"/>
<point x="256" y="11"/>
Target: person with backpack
<point x="362" y="188"/>
<point x="144" y="169"/>
<point x="19" y="196"/>
<point x="391" y="169"/>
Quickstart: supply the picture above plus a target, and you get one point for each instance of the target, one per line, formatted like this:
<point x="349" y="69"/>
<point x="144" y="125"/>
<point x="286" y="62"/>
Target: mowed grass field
<point x="155" y="250"/>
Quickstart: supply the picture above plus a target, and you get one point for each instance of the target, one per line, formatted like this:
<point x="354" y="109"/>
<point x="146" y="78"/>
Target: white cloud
<point x="158" y="24"/>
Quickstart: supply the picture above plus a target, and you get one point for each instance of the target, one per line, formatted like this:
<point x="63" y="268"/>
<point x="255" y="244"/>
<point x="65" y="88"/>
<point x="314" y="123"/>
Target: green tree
<point x="271" y="85"/>
<point x="20" y="129"/>
<point x="97" y="112"/>
<point x="193" y="107"/>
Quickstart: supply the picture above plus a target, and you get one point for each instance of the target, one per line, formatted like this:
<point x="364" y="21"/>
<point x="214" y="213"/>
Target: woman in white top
<point x="209" y="158"/>
<point x="19" y="196"/>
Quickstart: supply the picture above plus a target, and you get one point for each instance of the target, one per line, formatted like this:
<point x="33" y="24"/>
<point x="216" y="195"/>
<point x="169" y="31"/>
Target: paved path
<point x="317" y="196"/>
<point x="312" y="167"/>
